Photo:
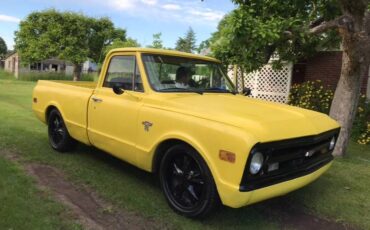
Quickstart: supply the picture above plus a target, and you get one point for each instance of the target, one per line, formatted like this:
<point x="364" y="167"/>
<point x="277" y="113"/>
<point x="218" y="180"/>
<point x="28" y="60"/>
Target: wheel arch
<point x="162" y="148"/>
<point x="48" y="111"/>
<point x="171" y="141"/>
<point x="50" y="107"/>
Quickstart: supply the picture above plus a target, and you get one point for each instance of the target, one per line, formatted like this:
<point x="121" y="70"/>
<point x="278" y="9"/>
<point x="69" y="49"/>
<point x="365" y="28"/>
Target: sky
<point x="141" y="18"/>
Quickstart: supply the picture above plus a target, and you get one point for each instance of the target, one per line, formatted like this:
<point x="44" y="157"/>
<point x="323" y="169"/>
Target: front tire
<point x="59" y="138"/>
<point x="187" y="182"/>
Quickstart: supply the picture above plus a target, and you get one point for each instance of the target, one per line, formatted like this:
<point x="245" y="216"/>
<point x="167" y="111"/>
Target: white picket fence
<point x="267" y="83"/>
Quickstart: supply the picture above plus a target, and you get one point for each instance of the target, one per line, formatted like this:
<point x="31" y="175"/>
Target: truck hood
<point x="267" y="121"/>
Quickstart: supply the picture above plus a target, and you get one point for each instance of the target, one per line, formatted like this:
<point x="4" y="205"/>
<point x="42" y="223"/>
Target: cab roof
<point x="164" y="52"/>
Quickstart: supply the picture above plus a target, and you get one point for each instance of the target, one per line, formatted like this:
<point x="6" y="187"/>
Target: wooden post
<point x="235" y="75"/>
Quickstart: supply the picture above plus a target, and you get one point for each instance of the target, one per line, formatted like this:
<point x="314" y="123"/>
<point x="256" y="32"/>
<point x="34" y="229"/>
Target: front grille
<point x="295" y="158"/>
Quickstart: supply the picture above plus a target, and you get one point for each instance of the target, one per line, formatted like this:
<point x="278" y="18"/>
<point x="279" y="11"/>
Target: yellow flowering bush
<point x="313" y="95"/>
<point x="364" y="137"/>
<point x="361" y="126"/>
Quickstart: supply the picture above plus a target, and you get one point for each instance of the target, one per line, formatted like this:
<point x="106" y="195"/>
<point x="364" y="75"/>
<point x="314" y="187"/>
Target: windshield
<point x="179" y="74"/>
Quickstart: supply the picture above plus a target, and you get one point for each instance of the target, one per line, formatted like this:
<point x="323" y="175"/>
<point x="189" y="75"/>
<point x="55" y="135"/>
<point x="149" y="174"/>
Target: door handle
<point x="97" y="100"/>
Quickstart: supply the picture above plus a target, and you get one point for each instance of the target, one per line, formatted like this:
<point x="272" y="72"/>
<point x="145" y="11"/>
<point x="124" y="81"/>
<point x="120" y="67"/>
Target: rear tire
<point x="59" y="138"/>
<point x="187" y="182"/>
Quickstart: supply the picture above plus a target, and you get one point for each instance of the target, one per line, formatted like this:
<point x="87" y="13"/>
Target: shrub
<point x="313" y="95"/>
<point x="361" y="127"/>
<point x="5" y="75"/>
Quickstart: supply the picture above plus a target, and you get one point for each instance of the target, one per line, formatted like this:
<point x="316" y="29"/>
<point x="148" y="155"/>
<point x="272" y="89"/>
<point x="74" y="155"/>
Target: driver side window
<point x="123" y="70"/>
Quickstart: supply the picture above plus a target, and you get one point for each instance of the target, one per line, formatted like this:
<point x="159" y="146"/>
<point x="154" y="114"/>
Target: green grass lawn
<point x="23" y="207"/>
<point x="341" y="194"/>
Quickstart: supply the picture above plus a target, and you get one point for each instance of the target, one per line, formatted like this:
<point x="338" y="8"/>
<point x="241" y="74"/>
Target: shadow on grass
<point x="117" y="164"/>
<point x="251" y="216"/>
<point x="280" y="212"/>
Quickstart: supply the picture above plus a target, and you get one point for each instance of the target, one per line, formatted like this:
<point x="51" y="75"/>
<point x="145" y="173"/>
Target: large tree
<point x="67" y="35"/>
<point x="293" y="29"/>
<point x="118" y="43"/>
<point x="187" y="43"/>
<point x="3" y="48"/>
<point x="157" y="41"/>
<point x="204" y="47"/>
<point x="102" y="34"/>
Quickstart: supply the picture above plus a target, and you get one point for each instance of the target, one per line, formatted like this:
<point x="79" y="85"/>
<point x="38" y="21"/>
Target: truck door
<point x="112" y="118"/>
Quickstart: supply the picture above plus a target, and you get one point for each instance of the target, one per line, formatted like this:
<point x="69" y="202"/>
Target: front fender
<point x="206" y="136"/>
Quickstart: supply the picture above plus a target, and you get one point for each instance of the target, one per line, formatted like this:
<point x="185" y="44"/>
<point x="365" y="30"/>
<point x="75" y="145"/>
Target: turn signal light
<point x="227" y="156"/>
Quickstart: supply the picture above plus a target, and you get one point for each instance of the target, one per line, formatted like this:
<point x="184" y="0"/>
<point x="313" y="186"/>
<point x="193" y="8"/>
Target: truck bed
<point x="84" y="84"/>
<point x="72" y="100"/>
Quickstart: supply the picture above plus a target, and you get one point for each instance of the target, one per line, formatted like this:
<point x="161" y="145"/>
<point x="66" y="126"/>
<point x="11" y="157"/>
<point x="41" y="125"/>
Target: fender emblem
<point x="147" y="125"/>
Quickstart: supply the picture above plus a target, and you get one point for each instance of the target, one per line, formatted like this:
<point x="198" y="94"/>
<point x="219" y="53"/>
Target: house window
<point x="33" y="66"/>
<point x="54" y="67"/>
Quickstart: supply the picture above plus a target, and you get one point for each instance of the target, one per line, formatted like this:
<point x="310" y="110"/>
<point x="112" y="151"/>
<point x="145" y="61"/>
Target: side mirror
<point x="117" y="89"/>
<point x="247" y="91"/>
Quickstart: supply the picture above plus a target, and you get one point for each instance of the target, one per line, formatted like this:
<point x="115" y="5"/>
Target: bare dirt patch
<point x="90" y="210"/>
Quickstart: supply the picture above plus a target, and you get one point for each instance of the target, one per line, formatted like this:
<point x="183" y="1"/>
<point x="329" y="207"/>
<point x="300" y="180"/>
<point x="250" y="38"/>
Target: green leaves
<point x="157" y="41"/>
<point x="66" y="35"/>
<point x="250" y="34"/>
<point x="3" y="48"/>
<point x="118" y="43"/>
<point x="187" y="43"/>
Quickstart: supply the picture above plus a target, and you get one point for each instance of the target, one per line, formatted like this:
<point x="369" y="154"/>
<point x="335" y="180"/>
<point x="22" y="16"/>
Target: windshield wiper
<point x="215" y="89"/>
<point x="175" y="89"/>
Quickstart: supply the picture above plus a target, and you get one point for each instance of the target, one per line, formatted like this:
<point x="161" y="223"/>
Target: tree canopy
<point x="187" y="43"/>
<point x="102" y="34"/>
<point x="204" y="47"/>
<point x="256" y="30"/>
<point x="118" y="43"/>
<point x="157" y="41"/>
<point x="3" y="48"/>
<point x="67" y="35"/>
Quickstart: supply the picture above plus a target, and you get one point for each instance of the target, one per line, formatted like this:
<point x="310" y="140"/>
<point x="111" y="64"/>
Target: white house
<point x="12" y="64"/>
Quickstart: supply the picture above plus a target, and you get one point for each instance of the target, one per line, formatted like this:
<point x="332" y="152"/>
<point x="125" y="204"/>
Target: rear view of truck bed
<point x="71" y="98"/>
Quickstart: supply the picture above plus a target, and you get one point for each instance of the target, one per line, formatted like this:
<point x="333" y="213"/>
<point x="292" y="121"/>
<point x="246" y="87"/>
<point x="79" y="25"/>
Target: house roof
<point x="54" y="61"/>
<point x="46" y="61"/>
<point x="10" y="53"/>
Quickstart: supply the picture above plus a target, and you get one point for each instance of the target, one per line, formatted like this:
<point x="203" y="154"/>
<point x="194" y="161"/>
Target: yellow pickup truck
<point x="178" y="115"/>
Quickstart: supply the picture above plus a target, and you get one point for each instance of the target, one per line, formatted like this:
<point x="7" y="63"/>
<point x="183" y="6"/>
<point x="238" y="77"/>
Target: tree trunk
<point x="344" y="105"/>
<point x="77" y="72"/>
<point x="355" y="33"/>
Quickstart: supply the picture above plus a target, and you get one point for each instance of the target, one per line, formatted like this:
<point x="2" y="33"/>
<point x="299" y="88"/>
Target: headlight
<point x="332" y="143"/>
<point x="256" y="163"/>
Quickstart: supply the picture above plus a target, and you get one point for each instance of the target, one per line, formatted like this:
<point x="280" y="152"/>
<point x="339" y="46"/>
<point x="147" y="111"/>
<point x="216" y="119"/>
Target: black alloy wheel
<point x="187" y="182"/>
<point x="59" y="137"/>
